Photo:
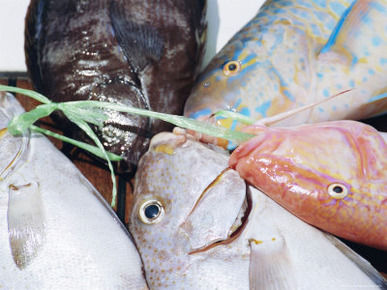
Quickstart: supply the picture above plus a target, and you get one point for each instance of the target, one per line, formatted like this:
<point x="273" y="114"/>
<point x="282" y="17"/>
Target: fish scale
<point x="295" y="53"/>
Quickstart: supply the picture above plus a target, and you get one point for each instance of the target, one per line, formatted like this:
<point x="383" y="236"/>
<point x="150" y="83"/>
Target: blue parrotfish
<point x="295" y="53"/>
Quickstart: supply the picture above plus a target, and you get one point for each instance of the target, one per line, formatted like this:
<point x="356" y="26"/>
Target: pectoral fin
<point x="26" y="222"/>
<point x="141" y="43"/>
<point x="270" y="265"/>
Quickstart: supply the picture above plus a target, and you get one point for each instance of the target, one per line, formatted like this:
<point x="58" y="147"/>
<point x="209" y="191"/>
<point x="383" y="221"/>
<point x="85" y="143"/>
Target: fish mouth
<point x="237" y="227"/>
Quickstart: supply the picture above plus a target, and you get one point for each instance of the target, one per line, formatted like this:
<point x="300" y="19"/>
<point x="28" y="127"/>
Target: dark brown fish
<point x="144" y="54"/>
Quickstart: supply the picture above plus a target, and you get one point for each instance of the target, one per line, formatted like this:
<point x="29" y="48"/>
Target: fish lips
<point x="220" y="214"/>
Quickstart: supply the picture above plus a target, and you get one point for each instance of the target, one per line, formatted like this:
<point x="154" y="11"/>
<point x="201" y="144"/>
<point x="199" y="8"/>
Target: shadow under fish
<point x="133" y="53"/>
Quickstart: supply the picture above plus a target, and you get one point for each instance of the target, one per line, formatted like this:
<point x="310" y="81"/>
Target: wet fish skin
<point x="188" y="243"/>
<point x="299" y="167"/>
<point x="292" y="54"/>
<point x="134" y="53"/>
<point x="56" y="230"/>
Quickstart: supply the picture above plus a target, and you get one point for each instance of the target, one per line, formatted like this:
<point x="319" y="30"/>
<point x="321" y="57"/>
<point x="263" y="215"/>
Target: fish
<point x="331" y="175"/>
<point x="56" y="230"/>
<point x="198" y="225"/>
<point x="134" y="53"/>
<point x="294" y="53"/>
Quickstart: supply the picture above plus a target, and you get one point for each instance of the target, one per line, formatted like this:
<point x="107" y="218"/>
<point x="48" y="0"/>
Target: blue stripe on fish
<point x="332" y="39"/>
<point x="262" y="109"/>
<point x="377" y="98"/>
<point x="289" y="95"/>
<point x="204" y="112"/>
<point x="245" y="112"/>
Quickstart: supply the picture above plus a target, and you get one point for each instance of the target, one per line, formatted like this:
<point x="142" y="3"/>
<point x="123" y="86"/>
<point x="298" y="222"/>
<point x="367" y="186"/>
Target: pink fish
<point x="332" y="175"/>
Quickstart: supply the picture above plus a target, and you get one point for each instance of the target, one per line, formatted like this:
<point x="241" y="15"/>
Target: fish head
<point x="240" y="78"/>
<point x="187" y="210"/>
<point x="328" y="174"/>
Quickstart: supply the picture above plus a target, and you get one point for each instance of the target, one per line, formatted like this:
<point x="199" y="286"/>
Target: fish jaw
<point x="293" y="172"/>
<point x="192" y="183"/>
<point x="123" y="134"/>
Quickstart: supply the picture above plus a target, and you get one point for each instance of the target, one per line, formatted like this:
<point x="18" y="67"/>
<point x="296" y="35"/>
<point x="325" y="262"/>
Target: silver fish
<point x="56" y="231"/>
<point x="200" y="227"/>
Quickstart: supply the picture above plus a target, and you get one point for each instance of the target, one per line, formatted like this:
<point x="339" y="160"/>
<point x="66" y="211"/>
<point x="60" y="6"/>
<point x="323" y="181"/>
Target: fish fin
<point x="270" y="265"/>
<point x="26" y="222"/>
<point x="140" y="43"/>
<point x="360" y="33"/>
<point x="362" y="263"/>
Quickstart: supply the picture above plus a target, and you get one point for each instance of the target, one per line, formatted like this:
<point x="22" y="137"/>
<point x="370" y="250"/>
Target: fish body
<point x="56" y="230"/>
<point x="295" y="53"/>
<point x="332" y="175"/>
<point x="201" y="227"/>
<point x="135" y="53"/>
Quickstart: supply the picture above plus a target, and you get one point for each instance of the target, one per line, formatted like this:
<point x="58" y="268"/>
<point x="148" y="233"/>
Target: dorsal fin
<point x="140" y="43"/>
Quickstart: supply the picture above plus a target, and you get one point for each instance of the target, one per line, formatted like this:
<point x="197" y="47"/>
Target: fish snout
<point x="124" y="134"/>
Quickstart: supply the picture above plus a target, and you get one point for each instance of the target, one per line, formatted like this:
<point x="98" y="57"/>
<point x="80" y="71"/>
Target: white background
<point x="233" y="14"/>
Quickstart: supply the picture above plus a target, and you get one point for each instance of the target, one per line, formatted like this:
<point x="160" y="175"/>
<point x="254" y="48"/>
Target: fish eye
<point x="232" y="68"/>
<point x="337" y="190"/>
<point x="206" y="85"/>
<point x="151" y="212"/>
